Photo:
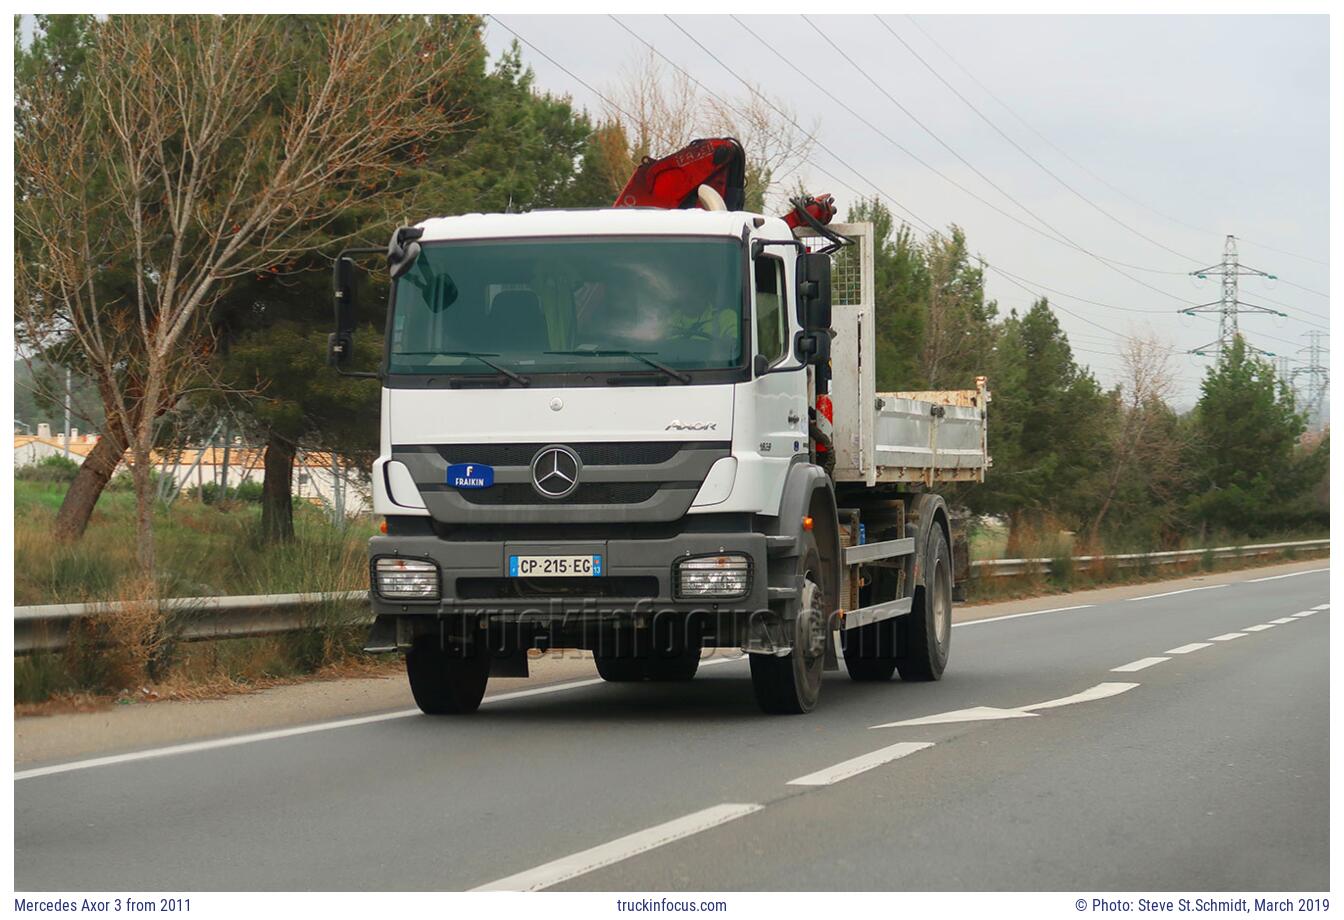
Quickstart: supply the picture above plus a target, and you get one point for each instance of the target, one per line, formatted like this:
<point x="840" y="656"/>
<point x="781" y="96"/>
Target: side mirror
<point x="814" y="291"/>
<point x="340" y="344"/>
<point x="403" y="250"/>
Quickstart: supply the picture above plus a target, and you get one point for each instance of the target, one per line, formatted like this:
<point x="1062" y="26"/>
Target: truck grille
<point x="592" y="493"/>
<point x="598" y="453"/>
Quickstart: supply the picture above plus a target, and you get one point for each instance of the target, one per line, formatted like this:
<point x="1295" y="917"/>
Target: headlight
<point x="412" y="579"/>
<point x="727" y="575"/>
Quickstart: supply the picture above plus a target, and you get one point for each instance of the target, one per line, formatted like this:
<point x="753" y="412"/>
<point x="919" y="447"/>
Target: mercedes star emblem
<point x="555" y="471"/>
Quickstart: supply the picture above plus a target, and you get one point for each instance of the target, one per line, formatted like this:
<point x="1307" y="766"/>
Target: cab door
<point x="780" y="396"/>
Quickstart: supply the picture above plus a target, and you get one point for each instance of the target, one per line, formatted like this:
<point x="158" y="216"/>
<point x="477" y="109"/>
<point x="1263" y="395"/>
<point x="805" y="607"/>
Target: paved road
<point x="1035" y="764"/>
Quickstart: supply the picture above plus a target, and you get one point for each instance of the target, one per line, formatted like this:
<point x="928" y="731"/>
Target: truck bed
<point x="923" y="437"/>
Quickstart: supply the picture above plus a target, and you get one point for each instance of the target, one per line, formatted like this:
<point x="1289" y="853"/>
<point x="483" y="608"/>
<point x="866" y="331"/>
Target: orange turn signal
<point x="807" y="523"/>
<point x="382" y="528"/>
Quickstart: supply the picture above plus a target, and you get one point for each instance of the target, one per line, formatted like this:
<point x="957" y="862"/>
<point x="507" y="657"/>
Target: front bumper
<point x="638" y="578"/>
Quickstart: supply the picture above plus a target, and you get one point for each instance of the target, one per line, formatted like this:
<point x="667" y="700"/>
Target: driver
<point x="702" y="321"/>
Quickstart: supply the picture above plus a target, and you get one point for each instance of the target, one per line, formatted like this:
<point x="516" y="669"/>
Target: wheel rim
<point x="942" y="605"/>
<point x="811" y="634"/>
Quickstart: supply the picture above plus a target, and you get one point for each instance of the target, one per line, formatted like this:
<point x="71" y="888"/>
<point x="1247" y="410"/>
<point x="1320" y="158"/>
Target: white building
<point x="319" y="478"/>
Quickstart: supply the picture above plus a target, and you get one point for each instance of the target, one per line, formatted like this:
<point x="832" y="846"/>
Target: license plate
<point x="554" y="566"/>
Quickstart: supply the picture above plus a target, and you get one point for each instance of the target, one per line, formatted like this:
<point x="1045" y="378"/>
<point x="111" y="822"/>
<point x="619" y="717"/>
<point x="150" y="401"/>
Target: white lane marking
<point x="974" y="714"/>
<point x="1251" y="581"/>
<point x="1099" y="692"/>
<point x="1149" y="597"/>
<point x="1187" y="649"/>
<point x="1321" y="607"/>
<point x="1305" y="613"/>
<point x="1259" y="627"/>
<point x="1281" y="620"/>
<point x="1227" y="637"/>
<point x="585" y="861"/>
<point x="989" y="713"/>
<point x="1014" y="616"/>
<point x="216" y="743"/>
<point x="1140" y="664"/>
<point x="193" y="747"/>
<point x="857" y="765"/>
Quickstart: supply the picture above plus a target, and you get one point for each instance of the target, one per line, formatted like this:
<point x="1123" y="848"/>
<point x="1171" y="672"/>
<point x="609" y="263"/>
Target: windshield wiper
<point x="637" y="355"/>
<point x="479" y="356"/>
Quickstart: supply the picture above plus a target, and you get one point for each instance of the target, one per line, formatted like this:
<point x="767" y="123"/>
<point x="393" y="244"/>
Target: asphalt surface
<point x="1208" y="770"/>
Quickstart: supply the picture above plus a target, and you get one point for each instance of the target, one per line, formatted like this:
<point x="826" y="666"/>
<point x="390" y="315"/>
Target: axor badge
<point x="471" y="476"/>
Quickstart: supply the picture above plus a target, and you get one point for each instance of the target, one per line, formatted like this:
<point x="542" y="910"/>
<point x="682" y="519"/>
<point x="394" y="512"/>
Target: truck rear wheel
<point x="447" y="682"/>
<point x="790" y="684"/>
<point x="923" y="636"/>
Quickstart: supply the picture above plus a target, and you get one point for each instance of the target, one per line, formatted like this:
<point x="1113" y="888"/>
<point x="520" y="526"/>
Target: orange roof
<point x="76" y="447"/>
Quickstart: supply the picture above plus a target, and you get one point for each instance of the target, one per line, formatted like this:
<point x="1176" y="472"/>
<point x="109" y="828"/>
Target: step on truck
<point x="649" y="430"/>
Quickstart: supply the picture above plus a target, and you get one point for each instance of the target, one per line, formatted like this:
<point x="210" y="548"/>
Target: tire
<point x="444" y="682"/>
<point x="924" y="637"/>
<point x="870" y="651"/>
<point x="675" y="667"/>
<point x="790" y="684"/>
<point x="620" y="669"/>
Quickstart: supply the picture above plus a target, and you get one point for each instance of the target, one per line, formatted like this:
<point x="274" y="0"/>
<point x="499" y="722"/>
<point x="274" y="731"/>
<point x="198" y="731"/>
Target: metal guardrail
<point x="46" y="627"/>
<point x="1000" y="568"/>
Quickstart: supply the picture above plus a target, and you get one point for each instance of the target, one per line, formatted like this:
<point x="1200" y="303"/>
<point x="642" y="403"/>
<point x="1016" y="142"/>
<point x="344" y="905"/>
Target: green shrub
<point x="211" y="494"/>
<point x="55" y="468"/>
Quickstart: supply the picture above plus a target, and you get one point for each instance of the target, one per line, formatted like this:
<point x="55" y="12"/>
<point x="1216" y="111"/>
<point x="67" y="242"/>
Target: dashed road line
<point x="598" y="857"/>
<point x="1251" y="581"/>
<point x="1140" y="664"/>
<point x="1259" y="627"/>
<point x="1321" y="607"/>
<point x="1187" y="649"/>
<point x="1281" y="620"/>
<point x="1305" y="613"/>
<point x="1227" y="637"/>
<point x="1149" y="597"/>
<point x="861" y="764"/>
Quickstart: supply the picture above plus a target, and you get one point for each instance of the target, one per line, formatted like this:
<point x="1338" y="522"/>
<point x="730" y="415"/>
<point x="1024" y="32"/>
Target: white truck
<point x="608" y="430"/>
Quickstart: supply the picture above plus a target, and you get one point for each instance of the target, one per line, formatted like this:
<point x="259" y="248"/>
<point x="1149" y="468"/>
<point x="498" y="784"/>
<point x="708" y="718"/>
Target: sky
<point x="1164" y="134"/>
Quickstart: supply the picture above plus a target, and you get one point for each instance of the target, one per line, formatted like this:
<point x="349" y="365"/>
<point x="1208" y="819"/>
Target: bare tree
<point x="198" y="149"/>
<point x="1141" y="447"/>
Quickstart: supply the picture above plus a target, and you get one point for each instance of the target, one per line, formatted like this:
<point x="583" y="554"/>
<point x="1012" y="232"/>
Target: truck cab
<point x="601" y="429"/>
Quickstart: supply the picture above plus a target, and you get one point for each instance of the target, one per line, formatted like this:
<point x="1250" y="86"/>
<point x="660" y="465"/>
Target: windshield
<point x="646" y="306"/>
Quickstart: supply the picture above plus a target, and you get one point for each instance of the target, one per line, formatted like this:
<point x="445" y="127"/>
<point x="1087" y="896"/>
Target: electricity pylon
<point x="1318" y="379"/>
<point x="1229" y="306"/>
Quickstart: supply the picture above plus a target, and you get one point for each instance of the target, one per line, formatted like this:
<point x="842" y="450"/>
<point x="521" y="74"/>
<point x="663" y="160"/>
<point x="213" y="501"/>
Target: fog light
<point x="727" y="575"/>
<point x="413" y="579"/>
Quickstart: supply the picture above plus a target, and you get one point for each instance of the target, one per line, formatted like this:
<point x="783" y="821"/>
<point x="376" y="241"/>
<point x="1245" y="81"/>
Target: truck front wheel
<point x="923" y="636"/>
<point x="790" y="684"/>
<point x="447" y="682"/>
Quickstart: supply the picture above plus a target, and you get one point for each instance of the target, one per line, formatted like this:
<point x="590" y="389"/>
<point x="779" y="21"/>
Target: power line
<point x="1016" y="280"/>
<point x="1109" y="263"/>
<point x="1022" y="121"/>
<point x="1026" y="153"/>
